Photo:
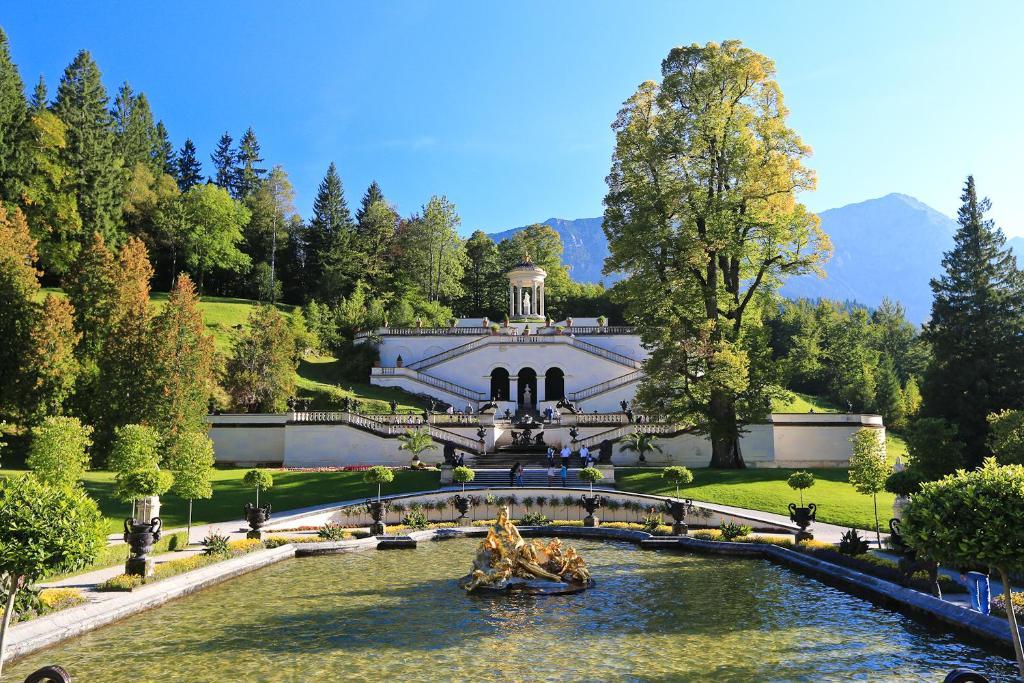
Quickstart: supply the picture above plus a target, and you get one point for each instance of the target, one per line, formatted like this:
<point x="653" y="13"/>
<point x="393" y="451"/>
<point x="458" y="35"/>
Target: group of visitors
<point x="552" y="415"/>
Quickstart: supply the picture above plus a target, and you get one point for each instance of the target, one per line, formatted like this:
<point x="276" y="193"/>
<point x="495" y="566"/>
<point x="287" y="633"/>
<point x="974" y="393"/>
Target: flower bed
<point x="999" y="605"/>
<point x="116" y="553"/>
<point x="49" y="600"/>
<point x="164" y="570"/>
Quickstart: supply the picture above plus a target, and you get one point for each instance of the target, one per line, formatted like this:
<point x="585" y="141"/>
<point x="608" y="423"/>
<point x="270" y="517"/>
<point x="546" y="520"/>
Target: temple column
<point x="511" y="301"/>
<point x="540" y="301"/>
<point x="513" y="389"/>
<point x="533" y="300"/>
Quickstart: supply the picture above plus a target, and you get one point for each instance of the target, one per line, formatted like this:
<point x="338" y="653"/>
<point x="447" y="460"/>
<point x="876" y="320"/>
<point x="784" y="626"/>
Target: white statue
<point x="526" y="396"/>
<point x="526" y="303"/>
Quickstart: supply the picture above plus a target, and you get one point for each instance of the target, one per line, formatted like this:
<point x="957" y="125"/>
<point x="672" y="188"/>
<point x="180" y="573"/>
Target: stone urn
<point x="591" y="504"/>
<point x="377" y="508"/>
<point x="679" y="509"/>
<point x="256" y="516"/>
<point x="803" y="518"/>
<point x="461" y="504"/>
<point x="899" y="505"/>
<point x="140" y="537"/>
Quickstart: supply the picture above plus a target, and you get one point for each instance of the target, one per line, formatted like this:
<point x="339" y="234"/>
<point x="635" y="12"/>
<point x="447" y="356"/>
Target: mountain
<point x="584" y="247"/>
<point x="885" y="247"/>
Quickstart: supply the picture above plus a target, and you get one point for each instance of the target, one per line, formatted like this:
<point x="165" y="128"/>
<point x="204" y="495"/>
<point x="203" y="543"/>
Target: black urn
<point x="679" y="509"/>
<point x="140" y="537"/>
<point x="803" y="518"/>
<point x="256" y="516"/>
<point x="462" y="504"/>
<point x="591" y="505"/>
<point x="377" y="508"/>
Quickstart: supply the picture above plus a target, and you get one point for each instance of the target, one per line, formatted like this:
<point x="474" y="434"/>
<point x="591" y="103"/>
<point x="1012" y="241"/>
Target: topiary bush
<point x="904" y="483"/>
<point x="798" y="481"/>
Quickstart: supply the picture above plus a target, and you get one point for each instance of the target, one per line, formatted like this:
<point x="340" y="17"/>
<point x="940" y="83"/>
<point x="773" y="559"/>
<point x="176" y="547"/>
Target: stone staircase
<point x="532" y="477"/>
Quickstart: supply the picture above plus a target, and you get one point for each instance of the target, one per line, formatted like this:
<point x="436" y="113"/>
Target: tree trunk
<point x="188" y="532"/>
<point x="878" y="536"/>
<point x="1018" y="649"/>
<point x="12" y="592"/>
<point x="725" y="433"/>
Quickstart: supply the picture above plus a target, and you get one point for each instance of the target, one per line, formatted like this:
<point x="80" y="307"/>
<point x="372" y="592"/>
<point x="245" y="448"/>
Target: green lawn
<point x="319" y="378"/>
<point x="766" y="489"/>
<point x="803" y="403"/>
<point x="291" y="490"/>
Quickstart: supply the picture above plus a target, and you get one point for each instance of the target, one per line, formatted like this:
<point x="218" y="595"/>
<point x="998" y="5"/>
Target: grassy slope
<point x="766" y="489"/>
<point x="291" y="490"/>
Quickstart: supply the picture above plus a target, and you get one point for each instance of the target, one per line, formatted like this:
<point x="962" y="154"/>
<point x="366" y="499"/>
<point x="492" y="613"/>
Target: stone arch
<point x="527" y="378"/>
<point x="499" y="384"/>
<point x="554" y="384"/>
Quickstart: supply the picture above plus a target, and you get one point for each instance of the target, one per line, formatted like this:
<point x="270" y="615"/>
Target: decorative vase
<point x="257" y="517"/>
<point x="140" y="537"/>
<point x="378" y="508"/>
<point x="679" y="509"/>
<point x="462" y="505"/>
<point x="591" y="505"/>
<point x="803" y="518"/>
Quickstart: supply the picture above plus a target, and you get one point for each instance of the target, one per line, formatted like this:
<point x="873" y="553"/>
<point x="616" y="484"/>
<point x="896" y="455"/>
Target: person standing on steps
<point x="585" y="456"/>
<point x="564" y="473"/>
<point x="551" y="456"/>
<point x="519" y="475"/>
<point x="551" y="472"/>
<point x="566" y="452"/>
<point x="512" y="475"/>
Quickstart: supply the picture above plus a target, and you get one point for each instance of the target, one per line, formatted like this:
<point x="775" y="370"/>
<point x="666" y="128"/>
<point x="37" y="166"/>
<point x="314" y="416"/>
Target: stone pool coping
<point x="51" y="629"/>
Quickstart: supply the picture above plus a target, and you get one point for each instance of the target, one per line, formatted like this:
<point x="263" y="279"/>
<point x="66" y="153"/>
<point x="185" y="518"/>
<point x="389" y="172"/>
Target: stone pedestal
<point x="591" y="520"/>
<point x="446" y="474"/>
<point x="378" y="528"/>
<point x="139" y="566"/>
<point x="680" y="529"/>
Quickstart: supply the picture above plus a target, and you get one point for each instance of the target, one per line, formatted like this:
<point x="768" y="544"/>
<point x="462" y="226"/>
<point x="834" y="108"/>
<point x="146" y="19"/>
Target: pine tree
<point x="134" y="131"/>
<point x="91" y="288"/>
<point x="372" y="195"/>
<point x="975" y="329"/>
<point x="889" y="401"/>
<point x="376" y="237"/>
<point x="14" y="133"/>
<point x="188" y="169"/>
<point x="329" y="238"/>
<point x="98" y="175"/>
<point x="183" y="365"/>
<point x="247" y="171"/>
<point x="18" y="286"/>
<point x="162" y="154"/>
<point x="223" y="159"/>
<point x="49" y="369"/>
<point x="40" y="98"/>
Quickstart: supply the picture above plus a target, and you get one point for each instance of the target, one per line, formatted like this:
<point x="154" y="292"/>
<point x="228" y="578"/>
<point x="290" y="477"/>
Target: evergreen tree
<point x="91" y="288"/>
<point x="889" y="401"/>
<point x="247" y="171"/>
<point x="223" y="159"/>
<point x="485" y="288"/>
<point x="40" y="98"/>
<point x="163" y="159"/>
<point x="975" y="329"/>
<point x="376" y="242"/>
<point x="98" y="176"/>
<point x="18" y="286"/>
<point x="135" y="136"/>
<point x="183" y="365"/>
<point x="372" y="195"/>
<point x="330" y="269"/>
<point x="188" y="170"/>
<point x="49" y="369"/>
<point x="14" y="133"/>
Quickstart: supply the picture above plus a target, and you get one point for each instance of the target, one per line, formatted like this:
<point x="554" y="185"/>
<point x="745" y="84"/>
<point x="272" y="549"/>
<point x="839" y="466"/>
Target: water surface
<point x="399" y="615"/>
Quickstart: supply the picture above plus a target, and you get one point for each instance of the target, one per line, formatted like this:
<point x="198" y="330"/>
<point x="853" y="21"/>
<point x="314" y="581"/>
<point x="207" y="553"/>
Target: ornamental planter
<point x="803" y="518"/>
<point x="462" y="505"/>
<point x="140" y="537"/>
<point x="591" y="505"/>
<point x="257" y="517"/>
<point x="679" y="509"/>
<point x="377" y="508"/>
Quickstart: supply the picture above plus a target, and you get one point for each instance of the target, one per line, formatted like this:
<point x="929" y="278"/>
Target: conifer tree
<point x="98" y="175"/>
<point x="18" y="286"/>
<point x="162" y="154"/>
<point x="372" y="195"/>
<point x="14" y="152"/>
<point x="376" y="237"/>
<point x="49" y="369"/>
<point x="247" y="171"/>
<point x="223" y="159"/>
<point x="188" y="170"/>
<point x="329" y="240"/>
<point x="134" y="130"/>
<point x="40" y="97"/>
<point x="91" y="288"/>
<point x="975" y="329"/>
<point x="182" y="364"/>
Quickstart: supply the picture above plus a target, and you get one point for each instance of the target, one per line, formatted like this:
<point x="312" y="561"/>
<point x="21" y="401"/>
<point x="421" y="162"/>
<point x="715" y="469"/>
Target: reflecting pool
<point x="399" y="615"/>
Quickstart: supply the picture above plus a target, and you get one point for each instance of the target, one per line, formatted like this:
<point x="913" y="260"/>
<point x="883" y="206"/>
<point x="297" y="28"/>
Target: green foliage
<point x="1006" y="436"/>
<point x="261" y="371"/>
<point x="534" y="519"/>
<point x="934" y="447"/>
<point x="135" y="458"/>
<point x="904" y="483"/>
<point x="800" y="480"/>
<point x="591" y="475"/>
<point x="652" y="523"/>
<point x="122" y="583"/>
<point x="433" y="255"/>
<point x="332" y="532"/>
<point x="731" y="531"/>
<point x="416" y="441"/>
<point x="868" y="468"/>
<point x="192" y="465"/>
<point x="379" y="474"/>
<point x="415" y="519"/>
<point x="463" y="475"/>
<point x="46" y="529"/>
<point x="142" y="483"/>
<point x="261" y="480"/>
<point x="57" y="453"/>
<point x="852" y="544"/>
<point x="677" y="475"/>
<point x="18" y="287"/>
<point x="215" y="544"/>
<point x="49" y="367"/>
<point x="640" y="443"/>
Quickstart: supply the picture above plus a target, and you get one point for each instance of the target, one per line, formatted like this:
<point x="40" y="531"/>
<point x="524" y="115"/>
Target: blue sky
<point x="506" y="108"/>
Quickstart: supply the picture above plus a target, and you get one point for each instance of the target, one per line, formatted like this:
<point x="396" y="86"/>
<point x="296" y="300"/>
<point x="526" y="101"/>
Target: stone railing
<point x="450" y="353"/>
<point x="625" y="430"/>
<point x="416" y="376"/>
<point x="381" y="427"/>
<point x="605" y="386"/>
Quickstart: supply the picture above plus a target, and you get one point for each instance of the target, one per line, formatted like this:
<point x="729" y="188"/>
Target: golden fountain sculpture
<point x="506" y="562"/>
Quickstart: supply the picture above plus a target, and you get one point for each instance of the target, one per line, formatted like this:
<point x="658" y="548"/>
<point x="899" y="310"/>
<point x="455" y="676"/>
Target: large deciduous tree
<point x="701" y="214"/>
<point x="975" y="329"/>
<point x="261" y="371"/>
<point x="432" y="252"/>
<point x="18" y="286"/>
<point x="210" y="231"/>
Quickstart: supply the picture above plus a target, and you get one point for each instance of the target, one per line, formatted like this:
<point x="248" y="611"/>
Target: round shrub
<point x="905" y="483"/>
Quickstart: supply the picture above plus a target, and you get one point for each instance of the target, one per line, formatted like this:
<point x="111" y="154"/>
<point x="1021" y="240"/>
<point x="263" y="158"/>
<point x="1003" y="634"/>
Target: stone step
<point x="531" y="477"/>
